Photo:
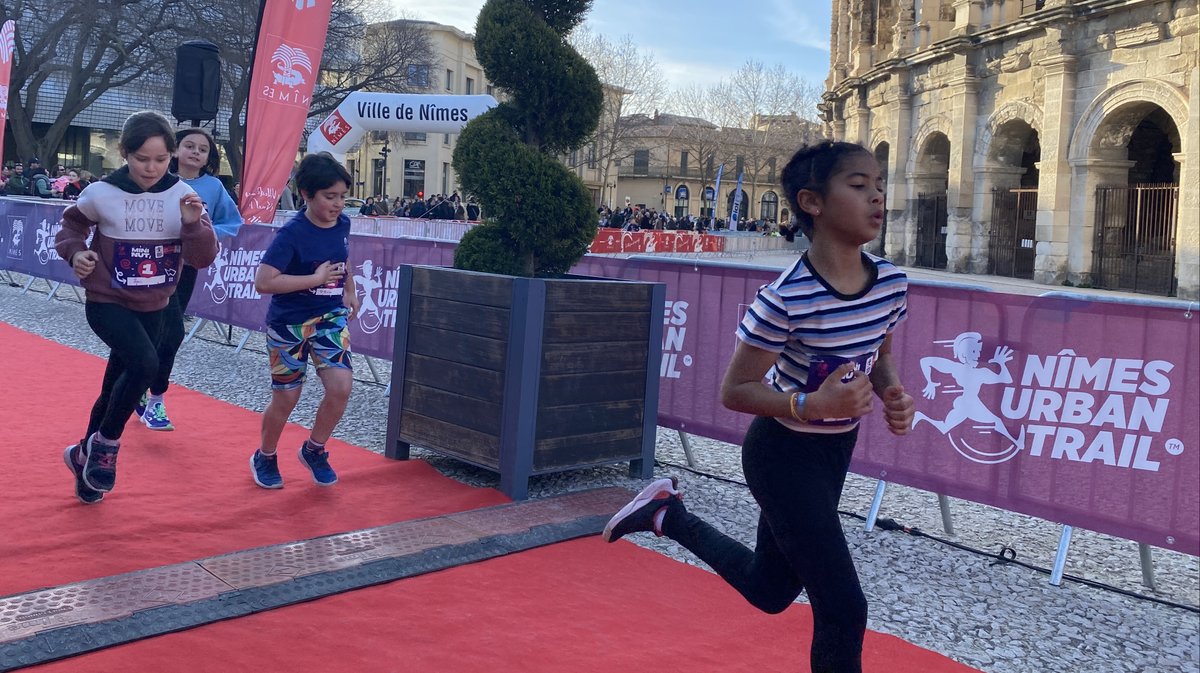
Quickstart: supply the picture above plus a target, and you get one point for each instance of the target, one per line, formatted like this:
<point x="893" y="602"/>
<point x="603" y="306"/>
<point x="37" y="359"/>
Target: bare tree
<point x="80" y="50"/>
<point x="770" y="107"/>
<point x="637" y="89"/>
<point x="704" y="117"/>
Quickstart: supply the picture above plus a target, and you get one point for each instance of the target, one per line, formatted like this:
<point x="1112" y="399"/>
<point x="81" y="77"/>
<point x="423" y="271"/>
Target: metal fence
<point x="1012" y="238"/>
<point x="1135" y="238"/>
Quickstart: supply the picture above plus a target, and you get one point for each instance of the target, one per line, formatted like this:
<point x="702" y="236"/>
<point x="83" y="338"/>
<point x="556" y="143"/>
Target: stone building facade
<point x="1057" y="140"/>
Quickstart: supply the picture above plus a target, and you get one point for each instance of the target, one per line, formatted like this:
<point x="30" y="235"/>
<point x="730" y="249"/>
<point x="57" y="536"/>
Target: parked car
<point x="352" y="206"/>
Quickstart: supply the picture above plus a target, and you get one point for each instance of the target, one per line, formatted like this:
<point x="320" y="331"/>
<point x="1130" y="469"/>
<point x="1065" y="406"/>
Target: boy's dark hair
<point x="320" y="171"/>
<point x="214" y="153"/>
<point x="142" y="126"/>
<point x="810" y="168"/>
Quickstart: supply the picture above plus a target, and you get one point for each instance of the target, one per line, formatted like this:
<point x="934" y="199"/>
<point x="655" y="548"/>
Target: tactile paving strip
<point x="68" y="620"/>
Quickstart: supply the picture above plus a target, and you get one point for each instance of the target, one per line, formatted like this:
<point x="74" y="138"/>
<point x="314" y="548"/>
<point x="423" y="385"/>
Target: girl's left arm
<point x="898" y="407"/>
<point x="226" y="218"/>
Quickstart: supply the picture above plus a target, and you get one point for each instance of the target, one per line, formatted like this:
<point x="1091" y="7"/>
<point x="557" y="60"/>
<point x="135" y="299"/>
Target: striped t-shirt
<point x="815" y="329"/>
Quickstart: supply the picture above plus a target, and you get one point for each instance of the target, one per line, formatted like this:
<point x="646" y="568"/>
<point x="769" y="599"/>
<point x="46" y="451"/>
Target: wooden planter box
<point x="525" y="376"/>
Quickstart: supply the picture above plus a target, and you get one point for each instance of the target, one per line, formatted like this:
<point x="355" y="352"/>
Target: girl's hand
<point x="191" y="207"/>
<point x="84" y="263"/>
<point x="898" y="409"/>
<point x="843" y="399"/>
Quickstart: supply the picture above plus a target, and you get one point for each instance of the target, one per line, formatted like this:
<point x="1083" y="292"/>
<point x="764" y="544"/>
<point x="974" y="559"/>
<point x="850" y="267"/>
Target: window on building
<point x="741" y="165"/>
<point x="449" y="79"/>
<point x="470" y="87"/>
<point x="352" y="169"/>
<point x="641" y="161"/>
<point x="491" y="90"/>
<point x="591" y="156"/>
<point x="573" y="159"/>
<point x="418" y="76"/>
<point x="414" y="177"/>
<point x="681" y="200"/>
<point x="445" y="178"/>
<point x="683" y="162"/>
<point x="769" y="208"/>
<point x="771" y="170"/>
<point x="446" y="139"/>
<point x="414" y="137"/>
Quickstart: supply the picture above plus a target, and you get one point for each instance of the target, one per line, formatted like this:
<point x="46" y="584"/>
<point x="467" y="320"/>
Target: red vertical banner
<point x="287" y="56"/>
<point x="8" y="43"/>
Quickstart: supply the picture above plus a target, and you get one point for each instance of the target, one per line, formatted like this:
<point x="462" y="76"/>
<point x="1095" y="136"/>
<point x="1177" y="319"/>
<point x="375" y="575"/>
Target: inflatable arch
<point x="362" y="112"/>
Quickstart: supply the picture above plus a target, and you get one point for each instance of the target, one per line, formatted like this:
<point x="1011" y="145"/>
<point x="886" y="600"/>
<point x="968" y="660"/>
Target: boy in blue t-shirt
<point x="304" y="269"/>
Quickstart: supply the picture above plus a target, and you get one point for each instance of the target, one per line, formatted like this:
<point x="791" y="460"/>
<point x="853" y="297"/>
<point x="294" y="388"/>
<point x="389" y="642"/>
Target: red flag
<point x="291" y="38"/>
<point x="8" y="42"/>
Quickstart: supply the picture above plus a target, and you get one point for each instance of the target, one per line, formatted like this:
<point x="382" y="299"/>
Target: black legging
<point x="172" y="332"/>
<point x="797" y="480"/>
<point x="133" y="337"/>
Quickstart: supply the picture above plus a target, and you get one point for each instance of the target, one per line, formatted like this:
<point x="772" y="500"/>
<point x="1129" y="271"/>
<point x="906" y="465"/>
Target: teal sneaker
<point x="155" y="417"/>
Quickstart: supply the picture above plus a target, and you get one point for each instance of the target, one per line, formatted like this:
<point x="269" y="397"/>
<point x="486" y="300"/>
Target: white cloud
<point x="791" y="23"/>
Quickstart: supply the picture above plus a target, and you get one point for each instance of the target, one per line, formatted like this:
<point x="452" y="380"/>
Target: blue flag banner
<point x="717" y="191"/>
<point x="737" y="202"/>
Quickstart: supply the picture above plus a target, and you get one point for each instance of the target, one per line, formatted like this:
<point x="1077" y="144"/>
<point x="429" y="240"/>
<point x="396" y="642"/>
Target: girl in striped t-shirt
<point x="820" y="337"/>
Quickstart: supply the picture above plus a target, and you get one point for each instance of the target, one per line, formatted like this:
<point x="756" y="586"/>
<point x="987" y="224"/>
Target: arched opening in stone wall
<point x="769" y="206"/>
<point x="931" y="178"/>
<point x="1012" y="170"/>
<point x="883" y="156"/>
<point x="1137" y="200"/>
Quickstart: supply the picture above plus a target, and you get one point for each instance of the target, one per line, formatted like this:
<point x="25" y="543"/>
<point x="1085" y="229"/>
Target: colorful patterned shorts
<point x="325" y="338"/>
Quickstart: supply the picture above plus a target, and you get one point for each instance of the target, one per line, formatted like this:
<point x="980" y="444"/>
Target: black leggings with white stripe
<point x="797" y="480"/>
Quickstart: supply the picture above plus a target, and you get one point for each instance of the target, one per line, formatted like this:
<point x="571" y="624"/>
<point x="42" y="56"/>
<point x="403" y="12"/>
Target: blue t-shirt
<point x="298" y="249"/>
<point x="226" y="219"/>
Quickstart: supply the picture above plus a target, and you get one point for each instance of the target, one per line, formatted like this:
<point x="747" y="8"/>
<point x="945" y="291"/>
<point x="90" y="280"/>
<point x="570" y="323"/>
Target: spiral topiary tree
<point x="539" y="214"/>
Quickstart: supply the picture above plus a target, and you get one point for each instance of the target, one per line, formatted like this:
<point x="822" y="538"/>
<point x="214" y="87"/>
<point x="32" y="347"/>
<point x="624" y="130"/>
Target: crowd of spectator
<point x="636" y="218"/>
<point x="433" y="207"/>
<point x="31" y="179"/>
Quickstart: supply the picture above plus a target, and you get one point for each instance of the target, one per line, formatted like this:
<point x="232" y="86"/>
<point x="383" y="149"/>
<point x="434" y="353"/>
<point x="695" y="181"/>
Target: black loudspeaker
<point x="197" y="81"/>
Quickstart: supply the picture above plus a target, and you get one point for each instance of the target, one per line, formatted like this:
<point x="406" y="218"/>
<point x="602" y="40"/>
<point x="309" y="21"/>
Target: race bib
<point x="822" y="366"/>
<point x="147" y="264"/>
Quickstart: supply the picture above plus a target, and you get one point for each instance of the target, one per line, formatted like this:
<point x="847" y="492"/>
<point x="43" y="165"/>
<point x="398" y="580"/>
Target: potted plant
<point x="505" y="361"/>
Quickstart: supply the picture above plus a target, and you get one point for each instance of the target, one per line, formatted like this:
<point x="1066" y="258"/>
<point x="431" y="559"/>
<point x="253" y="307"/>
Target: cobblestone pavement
<point x="1000" y="618"/>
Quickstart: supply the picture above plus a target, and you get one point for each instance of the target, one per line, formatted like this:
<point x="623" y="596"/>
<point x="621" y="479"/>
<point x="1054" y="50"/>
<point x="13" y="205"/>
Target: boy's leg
<point x="330" y="348"/>
<point x="275" y="417"/>
<point x="338" y="382"/>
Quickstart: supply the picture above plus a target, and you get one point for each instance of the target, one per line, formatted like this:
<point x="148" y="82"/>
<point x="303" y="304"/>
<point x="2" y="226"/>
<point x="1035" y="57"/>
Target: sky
<point x="695" y="41"/>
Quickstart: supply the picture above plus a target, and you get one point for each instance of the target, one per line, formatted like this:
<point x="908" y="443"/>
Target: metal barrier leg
<point x="371" y="366"/>
<point x="77" y="295"/>
<point x="947" y="520"/>
<point x="28" y="284"/>
<point x="1060" y="558"/>
<point x="53" y="289"/>
<point x="195" y="328"/>
<point x="242" y="343"/>
<point x="687" y="448"/>
<point x="1147" y="565"/>
<point x="875" y="503"/>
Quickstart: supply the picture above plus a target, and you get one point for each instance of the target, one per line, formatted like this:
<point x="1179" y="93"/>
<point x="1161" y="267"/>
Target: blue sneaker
<point x="317" y="462"/>
<point x="100" y="465"/>
<point x="140" y="409"/>
<point x="73" y="457"/>
<point x="155" y="417"/>
<point x="266" y="470"/>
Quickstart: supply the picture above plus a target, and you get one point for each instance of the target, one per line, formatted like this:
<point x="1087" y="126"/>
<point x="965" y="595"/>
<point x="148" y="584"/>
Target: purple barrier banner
<point x="27" y="230"/>
<point x="225" y="291"/>
<point x="1071" y="409"/>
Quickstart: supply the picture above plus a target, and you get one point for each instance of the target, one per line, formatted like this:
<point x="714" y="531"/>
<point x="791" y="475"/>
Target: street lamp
<point x="384" y="153"/>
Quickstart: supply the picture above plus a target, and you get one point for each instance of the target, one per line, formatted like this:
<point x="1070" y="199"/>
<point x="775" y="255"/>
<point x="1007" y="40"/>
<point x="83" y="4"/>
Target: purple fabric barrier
<point x="27" y="230"/>
<point x="1075" y="411"/>
<point x="225" y="291"/>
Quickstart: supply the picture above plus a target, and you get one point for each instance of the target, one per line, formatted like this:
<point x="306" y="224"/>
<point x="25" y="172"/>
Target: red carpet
<point x="577" y="606"/>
